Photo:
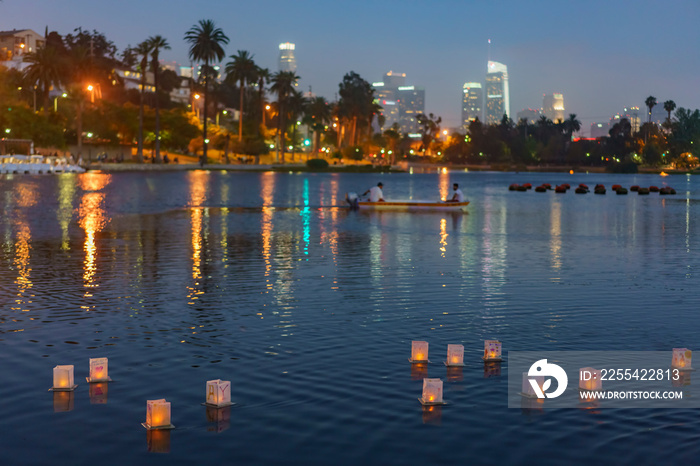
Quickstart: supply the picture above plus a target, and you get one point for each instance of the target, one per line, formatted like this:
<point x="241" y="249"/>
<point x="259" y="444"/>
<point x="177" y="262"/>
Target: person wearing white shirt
<point x="375" y="193"/>
<point x="458" y="195"/>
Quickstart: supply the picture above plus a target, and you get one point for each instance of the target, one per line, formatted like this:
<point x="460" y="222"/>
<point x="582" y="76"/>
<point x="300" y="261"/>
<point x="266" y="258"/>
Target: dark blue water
<point x="309" y="309"/>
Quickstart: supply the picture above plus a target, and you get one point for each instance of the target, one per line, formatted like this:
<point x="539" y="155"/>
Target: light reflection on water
<point x="265" y="279"/>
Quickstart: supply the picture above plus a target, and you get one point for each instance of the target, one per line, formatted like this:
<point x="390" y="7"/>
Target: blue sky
<point x="602" y="55"/>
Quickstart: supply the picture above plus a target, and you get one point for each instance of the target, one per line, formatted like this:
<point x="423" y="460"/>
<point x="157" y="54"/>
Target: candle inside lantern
<point x="419" y="351"/>
<point x="157" y="413"/>
<point x="455" y="355"/>
<point x="527" y="389"/>
<point x="590" y="379"/>
<point x="63" y="378"/>
<point x="492" y="350"/>
<point x="218" y="392"/>
<point x="98" y="370"/>
<point x="682" y="358"/>
<point x="432" y="391"/>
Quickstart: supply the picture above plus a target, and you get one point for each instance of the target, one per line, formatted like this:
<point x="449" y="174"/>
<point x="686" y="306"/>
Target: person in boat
<point x="458" y="195"/>
<point x="375" y="193"/>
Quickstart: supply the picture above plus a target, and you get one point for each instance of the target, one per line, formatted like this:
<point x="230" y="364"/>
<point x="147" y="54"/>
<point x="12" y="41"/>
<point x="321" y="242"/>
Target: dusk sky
<point x="602" y="55"/>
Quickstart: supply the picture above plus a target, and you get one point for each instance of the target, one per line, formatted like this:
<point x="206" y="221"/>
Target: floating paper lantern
<point x="492" y="350"/>
<point x="682" y="357"/>
<point x="158" y="415"/>
<point x="218" y="393"/>
<point x="63" y="378"/>
<point x="455" y="355"/>
<point x="527" y="389"/>
<point x="98" y="370"/>
<point x="590" y="379"/>
<point x="419" y="351"/>
<point x="432" y="392"/>
<point x="98" y="393"/>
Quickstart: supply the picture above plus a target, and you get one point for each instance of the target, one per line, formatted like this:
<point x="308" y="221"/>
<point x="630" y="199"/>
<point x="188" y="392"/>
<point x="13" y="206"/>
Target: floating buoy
<point x="621" y="190"/>
<point x="599" y="190"/>
<point x="583" y="186"/>
<point x="566" y="186"/>
<point x="560" y="189"/>
<point x="513" y="187"/>
<point x="615" y="187"/>
<point x="547" y="185"/>
<point x="653" y="189"/>
<point x="580" y="190"/>
<point x="521" y="188"/>
<point x="527" y="186"/>
<point x="634" y="188"/>
<point x="540" y="189"/>
<point x="642" y="190"/>
<point x="667" y="190"/>
<point x="599" y="186"/>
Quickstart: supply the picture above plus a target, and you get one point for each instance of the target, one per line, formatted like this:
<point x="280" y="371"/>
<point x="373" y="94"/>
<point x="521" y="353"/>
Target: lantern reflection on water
<point x="220" y="417"/>
<point x="432" y="392"/>
<point x="158" y="415"/>
<point x="63" y="378"/>
<point x="63" y="401"/>
<point x="158" y="441"/>
<point x="98" y="393"/>
<point x="455" y="355"/>
<point x="682" y="358"/>
<point x="492" y="350"/>
<point x="419" y="352"/>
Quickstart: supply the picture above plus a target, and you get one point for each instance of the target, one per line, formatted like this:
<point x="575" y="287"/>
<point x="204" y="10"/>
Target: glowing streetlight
<point x="55" y="101"/>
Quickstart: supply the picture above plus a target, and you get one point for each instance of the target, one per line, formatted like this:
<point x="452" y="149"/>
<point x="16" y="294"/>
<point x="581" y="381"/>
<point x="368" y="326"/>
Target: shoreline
<point x="401" y="168"/>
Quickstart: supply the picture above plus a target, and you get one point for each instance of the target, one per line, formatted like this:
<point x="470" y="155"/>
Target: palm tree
<point x="669" y="106"/>
<point x="263" y="76"/>
<point x="243" y="70"/>
<point x="296" y="103"/>
<point x="571" y="125"/>
<point x="157" y="43"/>
<point x="318" y="115"/>
<point x="650" y="102"/>
<point x="206" y="44"/>
<point x="282" y="84"/>
<point x="143" y="50"/>
<point x="46" y="69"/>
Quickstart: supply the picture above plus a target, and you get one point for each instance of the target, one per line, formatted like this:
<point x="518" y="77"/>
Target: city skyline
<point x="599" y="56"/>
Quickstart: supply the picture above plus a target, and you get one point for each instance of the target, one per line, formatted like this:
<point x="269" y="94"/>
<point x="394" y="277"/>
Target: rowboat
<point x="411" y="205"/>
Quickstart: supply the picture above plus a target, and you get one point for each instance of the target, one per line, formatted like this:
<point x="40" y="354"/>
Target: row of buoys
<point x="598" y="189"/>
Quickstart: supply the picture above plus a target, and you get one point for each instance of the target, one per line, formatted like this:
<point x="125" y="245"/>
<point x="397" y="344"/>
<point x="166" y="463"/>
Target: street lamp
<point x="55" y="101"/>
<point x="91" y="90"/>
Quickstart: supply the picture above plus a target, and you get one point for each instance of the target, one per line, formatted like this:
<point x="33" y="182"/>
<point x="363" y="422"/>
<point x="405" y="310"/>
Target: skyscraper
<point x="287" y="61"/>
<point x="553" y="106"/>
<point x="472" y="103"/>
<point x="497" y="95"/>
<point x="400" y="103"/>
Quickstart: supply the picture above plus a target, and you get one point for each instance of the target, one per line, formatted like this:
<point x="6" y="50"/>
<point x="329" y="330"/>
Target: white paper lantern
<point x="527" y="389"/>
<point x="455" y="355"/>
<point x="432" y="392"/>
<point x="158" y="414"/>
<point x="63" y="378"/>
<point x="218" y="393"/>
<point x="98" y="370"/>
<point x="492" y="350"/>
<point x="682" y="359"/>
<point x="419" y="352"/>
<point x="590" y="379"/>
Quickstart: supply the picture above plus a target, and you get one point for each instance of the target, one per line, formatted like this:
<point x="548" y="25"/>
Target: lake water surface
<point x="267" y="280"/>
